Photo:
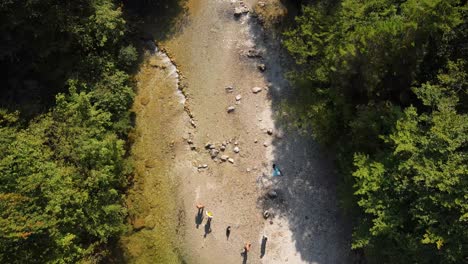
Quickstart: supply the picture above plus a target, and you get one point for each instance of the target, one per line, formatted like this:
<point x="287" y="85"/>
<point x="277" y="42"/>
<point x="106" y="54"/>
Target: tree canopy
<point x="387" y="86"/>
<point x="64" y="116"/>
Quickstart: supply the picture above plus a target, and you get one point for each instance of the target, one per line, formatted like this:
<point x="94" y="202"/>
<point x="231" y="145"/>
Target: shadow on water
<point x="307" y="194"/>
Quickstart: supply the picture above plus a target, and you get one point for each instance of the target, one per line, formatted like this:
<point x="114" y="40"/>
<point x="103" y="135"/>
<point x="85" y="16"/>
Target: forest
<point x="384" y="84"/>
<point x="64" y="119"/>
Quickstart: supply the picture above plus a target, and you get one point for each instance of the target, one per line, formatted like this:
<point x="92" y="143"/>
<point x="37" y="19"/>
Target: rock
<point x="222" y="148"/>
<point x="238" y="97"/>
<point x="193" y="123"/>
<point x="229" y="89"/>
<point x="150" y="163"/>
<point x="231" y="160"/>
<point x="265" y="144"/>
<point x="139" y="224"/>
<point x="212" y="146"/>
<point x="190" y="141"/>
<point x="144" y="100"/>
<point x="261" y="67"/>
<point x="270" y="131"/>
<point x="236" y="143"/>
<point x="256" y="90"/>
<point x="231" y="109"/>
<point x="224" y="157"/>
<point x="266" y="214"/>
<point x="214" y="153"/>
<point x="248" y="169"/>
<point x="255" y="140"/>
<point x="203" y="166"/>
<point x="208" y="145"/>
<point x="253" y="53"/>
<point x="272" y="194"/>
<point x="279" y="134"/>
<point x="238" y="12"/>
<point x="236" y="149"/>
<point x="261" y="4"/>
<point x="192" y="147"/>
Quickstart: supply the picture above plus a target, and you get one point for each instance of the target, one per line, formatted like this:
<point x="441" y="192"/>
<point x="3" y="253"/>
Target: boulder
<point x="253" y="53"/>
<point x="139" y="224"/>
<point x="214" y="153"/>
<point x="256" y="90"/>
<point x="238" y="12"/>
<point x="272" y="194"/>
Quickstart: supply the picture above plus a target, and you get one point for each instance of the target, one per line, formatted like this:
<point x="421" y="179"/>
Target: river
<point x="214" y="50"/>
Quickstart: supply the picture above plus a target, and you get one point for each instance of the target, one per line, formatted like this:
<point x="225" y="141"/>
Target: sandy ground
<point x="305" y="225"/>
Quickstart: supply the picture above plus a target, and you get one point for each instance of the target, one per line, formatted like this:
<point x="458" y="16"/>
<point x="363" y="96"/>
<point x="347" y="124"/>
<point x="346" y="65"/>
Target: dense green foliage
<point x="386" y="84"/>
<point x="64" y="118"/>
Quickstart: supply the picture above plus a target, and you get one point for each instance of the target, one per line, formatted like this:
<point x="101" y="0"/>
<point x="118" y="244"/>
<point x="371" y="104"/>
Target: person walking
<point x="210" y="215"/>
<point x="199" y="217"/>
<point x="200" y="207"/>
<point x="276" y="171"/>
<point x="247" y="248"/>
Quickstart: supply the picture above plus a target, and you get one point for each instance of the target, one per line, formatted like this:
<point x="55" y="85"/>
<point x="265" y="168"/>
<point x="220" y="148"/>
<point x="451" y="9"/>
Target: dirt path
<point x="213" y="51"/>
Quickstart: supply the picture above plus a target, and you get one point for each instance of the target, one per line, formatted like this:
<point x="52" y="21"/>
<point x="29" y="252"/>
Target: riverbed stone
<point x="237" y="12"/>
<point x="139" y="224"/>
<point x="253" y="53"/>
<point x="145" y="100"/>
<point x="214" y="153"/>
<point x="256" y="89"/>
<point x="272" y="194"/>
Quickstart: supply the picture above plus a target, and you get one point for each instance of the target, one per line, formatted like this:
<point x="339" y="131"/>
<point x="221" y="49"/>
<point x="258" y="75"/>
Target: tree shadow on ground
<point x="158" y="20"/>
<point x="307" y="193"/>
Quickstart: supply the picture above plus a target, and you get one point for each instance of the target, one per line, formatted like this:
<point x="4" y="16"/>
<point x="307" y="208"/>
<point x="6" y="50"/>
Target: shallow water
<point x="152" y="200"/>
